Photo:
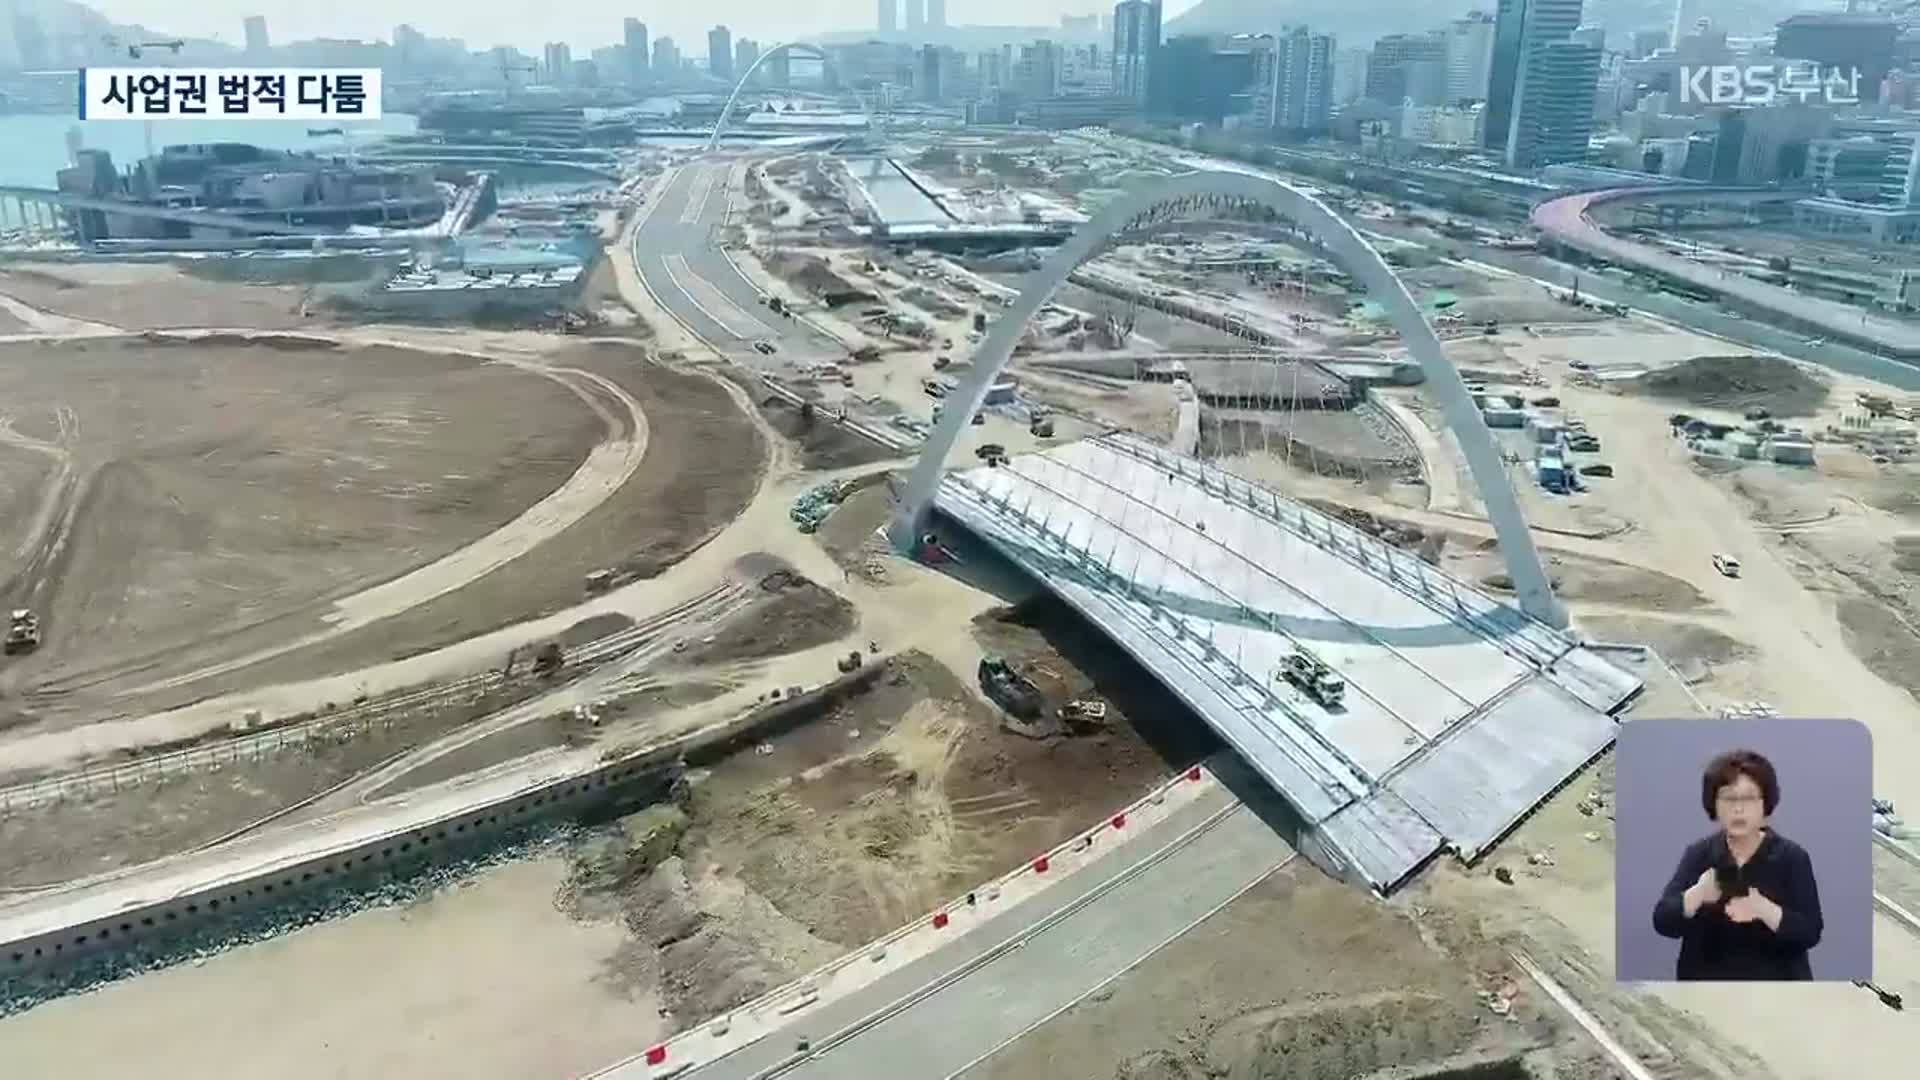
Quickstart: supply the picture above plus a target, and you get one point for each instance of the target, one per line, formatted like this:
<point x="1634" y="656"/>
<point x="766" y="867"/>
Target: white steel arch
<point x="720" y="125"/>
<point x="1346" y="247"/>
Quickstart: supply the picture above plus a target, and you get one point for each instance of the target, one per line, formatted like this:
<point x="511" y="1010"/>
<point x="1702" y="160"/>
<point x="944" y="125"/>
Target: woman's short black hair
<point x="1731" y="766"/>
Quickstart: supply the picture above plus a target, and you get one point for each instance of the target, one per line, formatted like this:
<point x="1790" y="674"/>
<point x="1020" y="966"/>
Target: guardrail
<point x="352" y="721"/>
<point x="780" y="1006"/>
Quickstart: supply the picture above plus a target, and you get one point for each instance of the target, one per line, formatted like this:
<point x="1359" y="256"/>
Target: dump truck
<point x="23" y="631"/>
<point x="1009" y="689"/>
<point x="1314" y="678"/>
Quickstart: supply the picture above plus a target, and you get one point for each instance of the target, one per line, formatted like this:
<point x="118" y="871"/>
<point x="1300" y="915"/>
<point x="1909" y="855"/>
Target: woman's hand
<point x="1702" y="892"/>
<point x="1754" y="907"/>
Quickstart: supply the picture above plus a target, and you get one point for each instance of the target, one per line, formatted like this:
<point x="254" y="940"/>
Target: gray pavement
<point x="677" y="253"/>
<point x="1708" y="317"/>
<point x="940" y="1015"/>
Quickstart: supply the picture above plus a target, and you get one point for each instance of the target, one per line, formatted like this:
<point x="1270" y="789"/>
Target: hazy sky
<point x="582" y="24"/>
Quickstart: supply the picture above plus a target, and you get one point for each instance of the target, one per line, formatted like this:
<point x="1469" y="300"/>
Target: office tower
<point x="1469" y="57"/>
<point x="1136" y="38"/>
<point x="255" y="29"/>
<point x="916" y="16"/>
<point x="889" y="16"/>
<point x="1521" y="29"/>
<point x="936" y="14"/>
<point x="1553" y="117"/>
<point x="1408" y="67"/>
<point x="635" y="38"/>
<point x="720" y="52"/>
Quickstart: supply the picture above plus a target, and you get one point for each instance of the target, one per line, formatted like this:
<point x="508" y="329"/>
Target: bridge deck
<point x="1211" y="582"/>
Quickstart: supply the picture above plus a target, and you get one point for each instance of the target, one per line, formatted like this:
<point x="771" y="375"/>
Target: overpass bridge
<point x="1564" y="222"/>
<point x="1462" y="712"/>
<point x="55" y="201"/>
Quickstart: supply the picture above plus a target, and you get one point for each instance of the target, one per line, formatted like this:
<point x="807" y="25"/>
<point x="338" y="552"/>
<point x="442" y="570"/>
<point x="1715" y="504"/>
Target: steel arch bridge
<point x="785" y="47"/>
<point x="1238" y="194"/>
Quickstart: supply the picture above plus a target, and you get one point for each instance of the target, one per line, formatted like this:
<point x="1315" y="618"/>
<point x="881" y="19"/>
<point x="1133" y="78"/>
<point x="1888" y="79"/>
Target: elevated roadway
<point x="200" y="218"/>
<point x="1564" y="221"/>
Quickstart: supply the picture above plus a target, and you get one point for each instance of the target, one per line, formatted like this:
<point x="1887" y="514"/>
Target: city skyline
<point x="581" y="26"/>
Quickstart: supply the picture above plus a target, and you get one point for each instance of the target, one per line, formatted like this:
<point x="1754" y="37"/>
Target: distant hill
<point x="1359" y="22"/>
<point x="77" y="34"/>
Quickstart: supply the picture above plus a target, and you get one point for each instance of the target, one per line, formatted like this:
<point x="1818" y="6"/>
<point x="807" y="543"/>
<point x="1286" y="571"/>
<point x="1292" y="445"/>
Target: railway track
<point x="252" y="745"/>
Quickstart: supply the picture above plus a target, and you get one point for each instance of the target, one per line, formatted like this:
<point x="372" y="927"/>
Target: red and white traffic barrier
<point x="771" y="1011"/>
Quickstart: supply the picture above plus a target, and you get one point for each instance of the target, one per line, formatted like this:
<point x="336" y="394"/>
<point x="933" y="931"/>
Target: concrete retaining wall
<point x="270" y="886"/>
<point x="634" y="776"/>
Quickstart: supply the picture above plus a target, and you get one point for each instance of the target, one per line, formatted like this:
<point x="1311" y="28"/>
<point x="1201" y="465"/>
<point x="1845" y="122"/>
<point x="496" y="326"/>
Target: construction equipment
<point x="1088" y="711"/>
<point x="23" y="631"/>
<point x="1041" y="427"/>
<point x="1314" y="678"/>
<point x="850" y="663"/>
<point x="1009" y="689"/>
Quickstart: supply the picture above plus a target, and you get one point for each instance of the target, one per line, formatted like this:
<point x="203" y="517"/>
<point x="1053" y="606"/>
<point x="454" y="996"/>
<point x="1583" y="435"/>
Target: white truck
<point x="1314" y="678"/>
<point x="23" y="631"/>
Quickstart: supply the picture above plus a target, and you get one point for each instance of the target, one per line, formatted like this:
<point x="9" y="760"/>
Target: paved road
<point x="937" y="1017"/>
<point x="677" y="253"/>
<point x="1565" y="218"/>
<point x="1708" y="317"/>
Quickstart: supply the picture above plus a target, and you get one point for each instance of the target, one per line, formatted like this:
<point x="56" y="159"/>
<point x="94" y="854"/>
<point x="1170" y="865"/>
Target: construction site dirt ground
<point x="819" y="443"/>
<point x="205" y="493"/>
<point x="1298" y="977"/>
<point x="702" y="464"/>
<point x="155" y="296"/>
<point x="902" y="791"/>
<point x="481" y="979"/>
<point x="881" y="797"/>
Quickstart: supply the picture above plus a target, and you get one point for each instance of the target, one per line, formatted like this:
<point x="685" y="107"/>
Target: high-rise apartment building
<point x="1037" y="73"/>
<point x="558" y="63"/>
<point x="916" y="16"/>
<point x="720" y="53"/>
<point x="746" y="52"/>
<point x="1522" y="28"/>
<point x="254" y="27"/>
<point x="1469" y="57"/>
<point x="666" y="58"/>
<point x="889" y="19"/>
<point x="1136" y="38"/>
<point x="635" y="39"/>
<point x="1295" y="81"/>
<point x="936" y="14"/>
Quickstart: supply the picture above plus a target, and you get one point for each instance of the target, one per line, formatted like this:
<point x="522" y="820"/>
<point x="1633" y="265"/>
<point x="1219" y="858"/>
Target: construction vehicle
<point x="990" y="451"/>
<point x="850" y="663"/>
<point x="1041" y="428"/>
<point x="23" y="631"/>
<point x="1314" y="678"/>
<point x="1009" y="689"/>
<point x="1085" y="711"/>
